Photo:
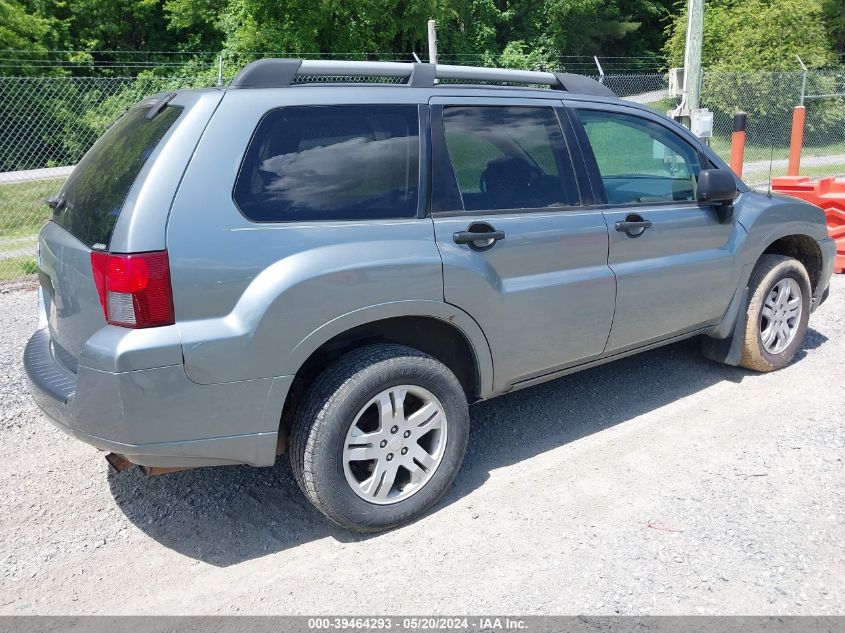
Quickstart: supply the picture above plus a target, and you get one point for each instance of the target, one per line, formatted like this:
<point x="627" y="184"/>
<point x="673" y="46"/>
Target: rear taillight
<point x="134" y="289"/>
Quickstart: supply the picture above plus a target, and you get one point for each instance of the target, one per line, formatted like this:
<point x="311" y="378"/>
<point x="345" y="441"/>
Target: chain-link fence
<point x="769" y="99"/>
<point x="48" y="123"/>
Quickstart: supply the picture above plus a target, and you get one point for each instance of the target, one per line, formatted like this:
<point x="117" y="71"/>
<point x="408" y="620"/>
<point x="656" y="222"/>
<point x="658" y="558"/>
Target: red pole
<point x="799" y="115"/>
<point x="738" y="143"/>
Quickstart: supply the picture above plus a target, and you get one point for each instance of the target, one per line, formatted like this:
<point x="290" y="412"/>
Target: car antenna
<point x="416" y="57"/>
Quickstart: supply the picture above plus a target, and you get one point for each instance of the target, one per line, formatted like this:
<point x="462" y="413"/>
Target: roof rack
<point x="280" y="73"/>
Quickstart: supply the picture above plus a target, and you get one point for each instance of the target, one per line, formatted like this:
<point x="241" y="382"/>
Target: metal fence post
<point x="803" y="80"/>
<point x="601" y="70"/>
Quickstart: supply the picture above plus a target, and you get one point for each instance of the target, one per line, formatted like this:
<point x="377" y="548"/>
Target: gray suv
<point x="333" y="259"/>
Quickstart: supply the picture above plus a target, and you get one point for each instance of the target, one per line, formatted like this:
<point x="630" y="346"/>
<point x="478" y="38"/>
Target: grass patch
<point x="16" y="268"/>
<point x="759" y="180"/>
<point x="823" y="171"/>
<point x="22" y="208"/>
<point x="755" y="151"/>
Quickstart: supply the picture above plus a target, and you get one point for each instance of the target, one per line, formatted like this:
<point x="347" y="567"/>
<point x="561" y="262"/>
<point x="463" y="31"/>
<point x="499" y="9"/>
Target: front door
<point x="673" y="259"/>
<point x="520" y="253"/>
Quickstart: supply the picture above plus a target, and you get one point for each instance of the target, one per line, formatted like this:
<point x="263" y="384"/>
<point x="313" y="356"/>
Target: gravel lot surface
<point x="662" y="483"/>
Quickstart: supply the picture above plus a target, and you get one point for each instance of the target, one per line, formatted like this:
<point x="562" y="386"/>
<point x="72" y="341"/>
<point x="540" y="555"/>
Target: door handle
<point x="633" y="225"/>
<point x="479" y="236"/>
<point x="468" y="237"/>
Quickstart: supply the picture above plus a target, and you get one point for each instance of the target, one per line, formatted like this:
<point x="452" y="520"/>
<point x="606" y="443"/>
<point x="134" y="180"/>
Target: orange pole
<point x="738" y="143"/>
<point x="799" y="115"/>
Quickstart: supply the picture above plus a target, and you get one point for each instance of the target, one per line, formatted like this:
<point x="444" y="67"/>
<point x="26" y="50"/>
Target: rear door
<point x="673" y="259"/>
<point x="536" y="278"/>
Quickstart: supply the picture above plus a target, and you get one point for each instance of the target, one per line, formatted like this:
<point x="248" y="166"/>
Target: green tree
<point x="198" y="22"/>
<point x="23" y="34"/>
<point x="476" y="30"/>
<point x="326" y="27"/>
<point x="756" y="35"/>
<point x="133" y="25"/>
<point x="834" y="11"/>
<point x="764" y="36"/>
<point x="547" y="29"/>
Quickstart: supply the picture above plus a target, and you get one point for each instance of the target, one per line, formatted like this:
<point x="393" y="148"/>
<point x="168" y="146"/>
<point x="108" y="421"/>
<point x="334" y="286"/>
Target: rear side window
<point x="640" y="161"/>
<point x="508" y="157"/>
<point x="96" y="190"/>
<point x="345" y="162"/>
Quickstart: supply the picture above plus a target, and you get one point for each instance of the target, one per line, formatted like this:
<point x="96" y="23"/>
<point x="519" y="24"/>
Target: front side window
<point x="508" y="157"/>
<point x="345" y="162"/>
<point x="640" y="161"/>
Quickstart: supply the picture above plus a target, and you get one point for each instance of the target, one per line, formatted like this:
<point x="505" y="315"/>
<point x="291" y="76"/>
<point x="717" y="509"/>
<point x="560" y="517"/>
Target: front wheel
<point x="380" y="437"/>
<point x="778" y="311"/>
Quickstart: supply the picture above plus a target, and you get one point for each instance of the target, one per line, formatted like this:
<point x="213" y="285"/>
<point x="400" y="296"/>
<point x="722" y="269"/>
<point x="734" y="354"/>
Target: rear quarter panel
<point x="252" y="300"/>
<point x="152" y="193"/>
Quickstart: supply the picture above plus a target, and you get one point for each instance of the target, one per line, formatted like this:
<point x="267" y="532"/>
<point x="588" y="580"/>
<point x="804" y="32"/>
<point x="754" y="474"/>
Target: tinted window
<point x="641" y="161"/>
<point x="96" y="190"/>
<point x="508" y="157"/>
<point x="331" y="163"/>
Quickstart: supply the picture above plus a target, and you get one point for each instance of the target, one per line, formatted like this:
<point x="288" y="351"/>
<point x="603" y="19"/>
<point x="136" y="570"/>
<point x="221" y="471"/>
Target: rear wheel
<point x="778" y="311"/>
<point x="380" y="437"/>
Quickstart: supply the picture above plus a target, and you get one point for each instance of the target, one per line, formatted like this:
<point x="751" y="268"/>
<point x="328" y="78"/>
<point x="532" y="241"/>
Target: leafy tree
<point x="763" y="35"/>
<point x="477" y="29"/>
<point x="834" y="11"/>
<point x="587" y="27"/>
<point x="113" y="25"/>
<point x="197" y="23"/>
<point x="744" y="35"/>
<point x="326" y="27"/>
<point x="23" y="33"/>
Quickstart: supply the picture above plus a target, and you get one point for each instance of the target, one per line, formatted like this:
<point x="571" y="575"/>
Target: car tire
<point x="772" y="337"/>
<point x="352" y="409"/>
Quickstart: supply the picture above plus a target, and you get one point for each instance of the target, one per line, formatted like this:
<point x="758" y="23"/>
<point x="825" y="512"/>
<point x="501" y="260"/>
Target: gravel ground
<point x="662" y="483"/>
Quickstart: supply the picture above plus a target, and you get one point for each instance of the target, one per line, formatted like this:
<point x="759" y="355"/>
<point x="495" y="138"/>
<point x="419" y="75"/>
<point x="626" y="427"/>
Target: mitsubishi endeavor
<point x="333" y="259"/>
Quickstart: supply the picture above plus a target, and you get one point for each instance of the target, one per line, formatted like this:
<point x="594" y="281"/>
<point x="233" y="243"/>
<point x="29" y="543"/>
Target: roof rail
<point x="280" y="73"/>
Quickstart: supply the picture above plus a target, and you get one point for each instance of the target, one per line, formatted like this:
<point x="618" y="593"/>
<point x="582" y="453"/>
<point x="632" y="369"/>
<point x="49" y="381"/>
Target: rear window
<point x="345" y="162"/>
<point x="509" y="157"/>
<point x="97" y="188"/>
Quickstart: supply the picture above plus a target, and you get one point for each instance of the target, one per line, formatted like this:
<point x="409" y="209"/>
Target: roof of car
<point x="282" y="73"/>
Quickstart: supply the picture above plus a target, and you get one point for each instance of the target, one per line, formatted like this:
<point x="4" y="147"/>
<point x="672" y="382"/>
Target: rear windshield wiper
<point x="55" y="203"/>
<point x="159" y="105"/>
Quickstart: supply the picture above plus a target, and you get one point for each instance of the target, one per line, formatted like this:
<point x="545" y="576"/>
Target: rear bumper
<point x="158" y="417"/>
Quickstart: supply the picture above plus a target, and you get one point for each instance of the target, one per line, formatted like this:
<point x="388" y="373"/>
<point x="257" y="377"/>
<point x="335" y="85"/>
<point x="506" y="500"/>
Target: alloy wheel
<point x="395" y="444"/>
<point x="781" y="315"/>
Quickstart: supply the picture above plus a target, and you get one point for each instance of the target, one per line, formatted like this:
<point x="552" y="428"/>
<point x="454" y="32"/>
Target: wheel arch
<point x="723" y="343"/>
<point x="803" y="248"/>
<point x="438" y="329"/>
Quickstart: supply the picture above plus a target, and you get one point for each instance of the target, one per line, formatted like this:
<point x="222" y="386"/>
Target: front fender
<point x="769" y="219"/>
<point x="766" y="220"/>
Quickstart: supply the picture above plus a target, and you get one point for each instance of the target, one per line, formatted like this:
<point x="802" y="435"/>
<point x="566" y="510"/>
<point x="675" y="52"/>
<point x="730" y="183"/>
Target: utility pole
<point x="692" y="55"/>
<point x="432" y="42"/>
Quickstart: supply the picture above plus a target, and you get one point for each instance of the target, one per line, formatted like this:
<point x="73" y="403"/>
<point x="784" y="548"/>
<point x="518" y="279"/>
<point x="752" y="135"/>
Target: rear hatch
<point x="84" y="217"/>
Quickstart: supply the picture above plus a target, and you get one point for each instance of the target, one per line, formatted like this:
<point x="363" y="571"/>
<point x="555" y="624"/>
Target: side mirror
<point x="717" y="187"/>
